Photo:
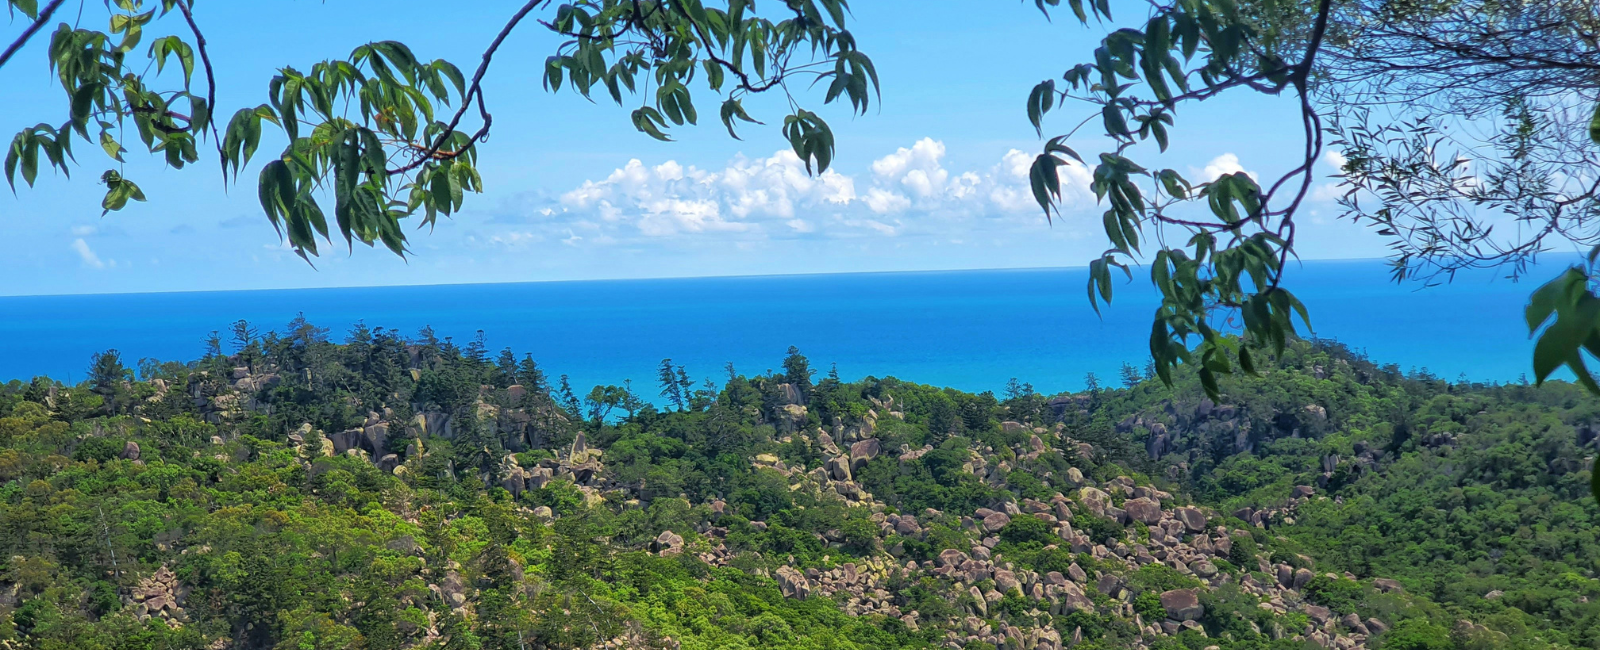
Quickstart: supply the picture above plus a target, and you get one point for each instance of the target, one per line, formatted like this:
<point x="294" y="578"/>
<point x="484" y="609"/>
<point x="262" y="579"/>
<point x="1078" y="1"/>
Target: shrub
<point x="1417" y="634"/>
<point x="1024" y="529"/>
<point x="1099" y="529"/>
<point x="1148" y="604"/>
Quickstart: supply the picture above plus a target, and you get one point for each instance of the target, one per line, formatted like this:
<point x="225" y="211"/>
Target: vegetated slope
<point x="394" y="492"/>
<point x="1475" y="496"/>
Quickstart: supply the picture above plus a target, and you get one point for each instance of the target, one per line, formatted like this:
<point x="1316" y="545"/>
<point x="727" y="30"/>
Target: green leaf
<point x="111" y="146"/>
<point x="734" y="109"/>
<point x="1594" y="125"/>
<point x="1116" y="125"/>
<point x="1548" y="297"/>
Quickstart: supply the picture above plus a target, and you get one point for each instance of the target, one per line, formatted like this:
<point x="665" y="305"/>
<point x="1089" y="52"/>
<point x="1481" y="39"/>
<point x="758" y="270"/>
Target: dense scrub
<point x="404" y="492"/>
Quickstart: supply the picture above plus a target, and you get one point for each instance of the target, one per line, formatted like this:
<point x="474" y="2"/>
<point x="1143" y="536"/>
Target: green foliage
<point x="1148" y="604"/>
<point x="1417" y="634"/>
<point x="1027" y="529"/>
<point x="261" y="525"/>
<point x="381" y="132"/>
<point x="1340" y="595"/>
<point x="1098" y="529"/>
<point x="1156" y="578"/>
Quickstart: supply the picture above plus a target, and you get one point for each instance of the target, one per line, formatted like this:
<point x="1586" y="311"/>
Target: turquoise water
<point x="972" y="330"/>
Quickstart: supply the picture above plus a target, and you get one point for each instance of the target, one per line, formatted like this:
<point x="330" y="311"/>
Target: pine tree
<point x="568" y="400"/>
<point x="243" y="335"/>
<point x="685" y="387"/>
<point x="505" y="369"/>
<point x="531" y="377"/>
<point x="107" y="374"/>
<point x="671" y="389"/>
<point x="478" y="349"/>
<point x="1130" y="376"/>
<point x="797" y="371"/>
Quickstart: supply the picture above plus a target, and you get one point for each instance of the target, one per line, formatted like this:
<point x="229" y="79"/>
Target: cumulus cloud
<point x="1334" y="158"/>
<point x="1227" y="163"/>
<point x="909" y="190"/>
<point x="90" y="259"/>
<point x="1333" y="190"/>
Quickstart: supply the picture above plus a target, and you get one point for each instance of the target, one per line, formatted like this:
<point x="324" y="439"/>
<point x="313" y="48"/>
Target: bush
<point x="1099" y="529"/>
<point x="1158" y="578"/>
<point x="1417" y="634"/>
<point x="1338" y="595"/>
<point x="860" y="535"/>
<point x="97" y="449"/>
<point x="1024" y="529"/>
<point x="1148" y="604"/>
<point x="1243" y="552"/>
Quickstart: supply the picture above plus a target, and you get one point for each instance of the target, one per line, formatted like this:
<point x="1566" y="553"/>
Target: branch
<point x="211" y="77"/>
<point x="473" y="90"/>
<point x="44" y="17"/>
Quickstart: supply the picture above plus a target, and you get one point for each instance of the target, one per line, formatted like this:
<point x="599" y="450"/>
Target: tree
<point x="1130" y="376"/>
<point x="243" y="334"/>
<point x="375" y="132"/>
<point x="602" y="400"/>
<point x="505" y="369"/>
<point x="671" y="390"/>
<point x="567" y="399"/>
<point x="107" y="377"/>
<point x="797" y="371"/>
<point x="531" y="377"/>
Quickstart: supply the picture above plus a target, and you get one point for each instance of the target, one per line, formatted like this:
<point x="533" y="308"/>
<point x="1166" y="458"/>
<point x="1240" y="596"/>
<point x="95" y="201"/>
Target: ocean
<point x="972" y="330"/>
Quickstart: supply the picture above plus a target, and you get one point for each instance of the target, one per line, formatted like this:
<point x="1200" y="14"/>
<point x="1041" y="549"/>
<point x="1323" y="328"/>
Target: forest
<point x="385" y="490"/>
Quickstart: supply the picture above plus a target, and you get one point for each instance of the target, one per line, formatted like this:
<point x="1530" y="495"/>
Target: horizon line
<point x="617" y="279"/>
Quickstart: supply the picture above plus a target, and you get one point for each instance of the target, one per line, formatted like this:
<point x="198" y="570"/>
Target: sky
<point x="933" y="177"/>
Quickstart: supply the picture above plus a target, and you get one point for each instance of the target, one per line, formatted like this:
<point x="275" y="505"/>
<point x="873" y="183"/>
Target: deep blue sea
<point x="971" y="330"/>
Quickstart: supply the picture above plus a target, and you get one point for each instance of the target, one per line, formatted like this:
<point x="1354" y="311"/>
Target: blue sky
<point x="928" y="179"/>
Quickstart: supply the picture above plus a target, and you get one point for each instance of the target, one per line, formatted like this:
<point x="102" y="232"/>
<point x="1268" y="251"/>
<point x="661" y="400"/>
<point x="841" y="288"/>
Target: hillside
<point x="406" y="492"/>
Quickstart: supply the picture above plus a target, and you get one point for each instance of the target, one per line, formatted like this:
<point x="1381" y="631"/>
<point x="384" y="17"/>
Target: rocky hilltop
<point x="396" y="494"/>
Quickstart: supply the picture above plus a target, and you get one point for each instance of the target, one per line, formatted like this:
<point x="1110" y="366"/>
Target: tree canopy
<point x="1468" y="132"/>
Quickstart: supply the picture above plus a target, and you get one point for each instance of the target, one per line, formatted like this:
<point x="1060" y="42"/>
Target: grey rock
<point x="862" y="452"/>
<point x="1143" y="510"/>
<point x="996" y="521"/>
<point x="1182" y="604"/>
<point x="1192" y="518"/>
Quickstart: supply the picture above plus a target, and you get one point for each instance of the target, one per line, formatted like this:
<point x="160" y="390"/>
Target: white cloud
<point x="1334" y="159"/>
<point x="907" y="191"/>
<point x="1227" y="163"/>
<point x="1328" y="192"/>
<point x="516" y="238"/>
<point x="90" y="259"/>
<point x="84" y="231"/>
<point x="884" y="201"/>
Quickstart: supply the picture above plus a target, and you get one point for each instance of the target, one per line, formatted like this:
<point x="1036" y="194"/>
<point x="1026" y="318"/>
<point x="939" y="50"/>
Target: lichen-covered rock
<point x="1143" y="510"/>
<point x="1182" y="604"/>
<point x="1193" y="519"/>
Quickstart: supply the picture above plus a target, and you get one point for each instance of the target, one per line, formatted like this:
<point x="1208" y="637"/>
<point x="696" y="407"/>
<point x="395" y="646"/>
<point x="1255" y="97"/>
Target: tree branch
<point x="474" y="90"/>
<point x="44" y="17"/>
<point x="211" y="77"/>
